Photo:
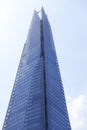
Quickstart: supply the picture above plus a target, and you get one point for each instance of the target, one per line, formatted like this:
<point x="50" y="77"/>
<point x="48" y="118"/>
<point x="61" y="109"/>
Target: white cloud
<point x="77" y="108"/>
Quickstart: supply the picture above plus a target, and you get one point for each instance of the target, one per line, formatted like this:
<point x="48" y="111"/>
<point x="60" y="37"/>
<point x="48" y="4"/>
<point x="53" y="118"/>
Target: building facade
<point x="37" y="101"/>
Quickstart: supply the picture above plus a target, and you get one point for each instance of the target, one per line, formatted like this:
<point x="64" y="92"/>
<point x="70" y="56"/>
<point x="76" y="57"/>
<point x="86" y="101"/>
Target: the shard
<point x="37" y="101"/>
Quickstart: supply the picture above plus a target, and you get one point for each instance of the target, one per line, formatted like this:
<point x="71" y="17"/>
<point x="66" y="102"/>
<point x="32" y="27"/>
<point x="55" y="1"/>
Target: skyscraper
<point x="37" y="101"/>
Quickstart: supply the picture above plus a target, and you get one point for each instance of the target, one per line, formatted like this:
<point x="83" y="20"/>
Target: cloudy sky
<point x="68" y="19"/>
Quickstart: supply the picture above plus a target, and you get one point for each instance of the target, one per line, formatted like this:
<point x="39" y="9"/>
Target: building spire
<point x="38" y="100"/>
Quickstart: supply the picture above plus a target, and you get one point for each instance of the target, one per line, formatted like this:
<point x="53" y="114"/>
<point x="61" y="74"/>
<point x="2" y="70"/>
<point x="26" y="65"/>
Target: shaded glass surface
<point x="57" y="116"/>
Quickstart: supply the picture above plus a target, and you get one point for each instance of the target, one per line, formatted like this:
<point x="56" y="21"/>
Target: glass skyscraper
<point x="37" y="101"/>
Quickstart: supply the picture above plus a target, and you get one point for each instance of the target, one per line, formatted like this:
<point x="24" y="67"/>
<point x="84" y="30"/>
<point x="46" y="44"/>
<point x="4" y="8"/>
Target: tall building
<point x="37" y="101"/>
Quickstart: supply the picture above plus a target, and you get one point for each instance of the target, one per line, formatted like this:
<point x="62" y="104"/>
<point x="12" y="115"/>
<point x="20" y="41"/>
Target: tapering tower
<point x="37" y="101"/>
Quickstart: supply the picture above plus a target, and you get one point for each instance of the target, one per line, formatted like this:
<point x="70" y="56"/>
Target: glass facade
<point x="37" y="101"/>
<point x="57" y="116"/>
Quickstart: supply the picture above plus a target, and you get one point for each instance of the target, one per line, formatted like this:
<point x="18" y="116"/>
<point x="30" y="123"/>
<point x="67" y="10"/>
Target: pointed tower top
<point x="42" y="9"/>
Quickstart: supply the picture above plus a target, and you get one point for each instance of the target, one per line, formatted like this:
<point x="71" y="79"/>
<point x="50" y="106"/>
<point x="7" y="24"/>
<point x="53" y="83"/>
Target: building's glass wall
<point x="56" y="106"/>
<point x="38" y="101"/>
<point x="26" y="107"/>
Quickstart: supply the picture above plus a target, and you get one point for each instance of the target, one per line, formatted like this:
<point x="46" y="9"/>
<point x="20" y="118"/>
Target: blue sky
<point x="68" y="20"/>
